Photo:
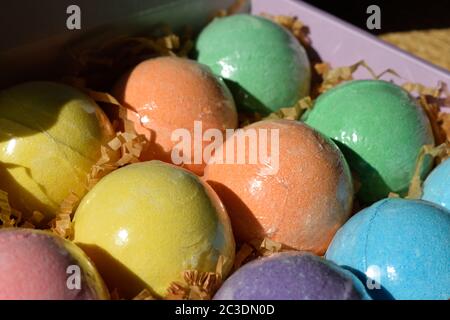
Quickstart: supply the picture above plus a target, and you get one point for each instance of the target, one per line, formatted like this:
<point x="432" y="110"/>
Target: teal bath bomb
<point x="264" y="65"/>
<point x="380" y="128"/>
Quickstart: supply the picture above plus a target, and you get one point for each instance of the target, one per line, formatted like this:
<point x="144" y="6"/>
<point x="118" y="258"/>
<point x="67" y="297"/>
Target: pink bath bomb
<point x="37" y="265"/>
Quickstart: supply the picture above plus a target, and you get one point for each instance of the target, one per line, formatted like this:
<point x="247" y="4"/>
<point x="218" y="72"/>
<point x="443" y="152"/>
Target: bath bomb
<point x="37" y="265"/>
<point x="146" y="223"/>
<point x="401" y="246"/>
<point x="291" y="276"/>
<point x="380" y="128"/>
<point x="297" y="193"/>
<point x="436" y="187"/>
<point x="166" y="97"/>
<point x="264" y="65"/>
<point x="50" y="137"/>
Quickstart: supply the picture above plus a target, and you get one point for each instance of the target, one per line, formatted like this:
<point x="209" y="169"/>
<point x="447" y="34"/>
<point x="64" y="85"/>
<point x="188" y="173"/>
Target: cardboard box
<point x="34" y="34"/>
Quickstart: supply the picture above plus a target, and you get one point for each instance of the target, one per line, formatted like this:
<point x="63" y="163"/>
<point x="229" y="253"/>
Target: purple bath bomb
<point x="291" y="276"/>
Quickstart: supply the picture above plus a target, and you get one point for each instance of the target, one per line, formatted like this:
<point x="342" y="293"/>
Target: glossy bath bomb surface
<point x="50" y="136"/>
<point x="402" y="244"/>
<point x="380" y="128"/>
<point x="170" y="93"/>
<point x="37" y="265"/>
<point x="144" y="224"/>
<point x="265" y="66"/>
<point x="302" y="204"/>
<point x="291" y="276"/>
<point x="436" y="187"/>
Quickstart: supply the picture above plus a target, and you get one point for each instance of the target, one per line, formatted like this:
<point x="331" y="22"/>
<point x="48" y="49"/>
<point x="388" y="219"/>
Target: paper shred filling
<point x="233" y="9"/>
<point x="295" y="26"/>
<point x="292" y="113"/>
<point x="100" y="68"/>
<point x="415" y="187"/>
<point x="197" y="285"/>
<point x="433" y="101"/>
<point x="255" y="249"/>
<point x="6" y="219"/>
<point x="144" y="295"/>
<point x="333" y="77"/>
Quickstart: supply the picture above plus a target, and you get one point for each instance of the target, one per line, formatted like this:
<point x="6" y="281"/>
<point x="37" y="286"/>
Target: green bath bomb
<point x="380" y="128"/>
<point x="264" y="65"/>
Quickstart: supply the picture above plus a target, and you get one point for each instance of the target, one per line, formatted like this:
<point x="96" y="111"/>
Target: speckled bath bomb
<point x="298" y="198"/>
<point x="145" y="224"/>
<point x="404" y="245"/>
<point x="291" y="276"/>
<point x="50" y="137"/>
<point x="380" y="128"/>
<point x="169" y="94"/>
<point x="265" y="66"/>
<point x="38" y="265"/>
<point x="436" y="187"/>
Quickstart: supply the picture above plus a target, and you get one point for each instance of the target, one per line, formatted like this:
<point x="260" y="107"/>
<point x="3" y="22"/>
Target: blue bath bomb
<point x="436" y="187"/>
<point x="401" y="248"/>
<point x="291" y="276"/>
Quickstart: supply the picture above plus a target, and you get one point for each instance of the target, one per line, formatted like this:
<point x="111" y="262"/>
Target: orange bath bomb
<point x="170" y="93"/>
<point x="298" y="192"/>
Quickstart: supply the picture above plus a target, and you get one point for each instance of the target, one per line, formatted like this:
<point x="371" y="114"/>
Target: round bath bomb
<point x="144" y="224"/>
<point x="437" y="185"/>
<point x="291" y="276"/>
<point x="403" y="246"/>
<point x="264" y="65"/>
<point x="50" y="137"/>
<point x="380" y="129"/>
<point x="172" y="101"/>
<point x="297" y="193"/>
<point x="37" y="265"/>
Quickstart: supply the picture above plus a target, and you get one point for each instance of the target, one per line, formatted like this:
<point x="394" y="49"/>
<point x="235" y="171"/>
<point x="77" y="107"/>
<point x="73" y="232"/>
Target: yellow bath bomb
<point x="50" y="136"/>
<point x="144" y="224"/>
